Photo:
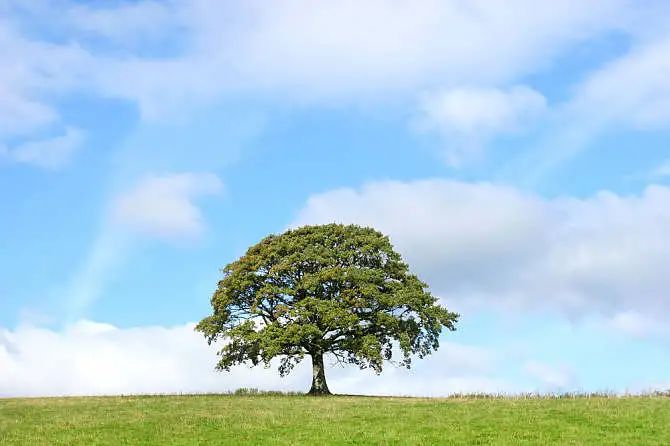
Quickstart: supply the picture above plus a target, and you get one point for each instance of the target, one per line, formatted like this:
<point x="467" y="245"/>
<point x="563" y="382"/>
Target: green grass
<point x="288" y="420"/>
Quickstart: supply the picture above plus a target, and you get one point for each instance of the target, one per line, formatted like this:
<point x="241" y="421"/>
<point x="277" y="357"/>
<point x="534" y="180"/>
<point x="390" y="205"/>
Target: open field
<point x="263" y="419"/>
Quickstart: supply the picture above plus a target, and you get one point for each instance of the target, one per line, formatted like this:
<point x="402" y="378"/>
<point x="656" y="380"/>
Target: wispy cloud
<point x="467" y="117"/>
<point x="50" y="153"/>
<point x="162" y="205"/>
<point x="105" y="255"/>
<point x="552" y="378"/>
<point x="20" y="114"/>
<point x="631" y="92"/>
<point x="661" y="171"/>
<point x="295" y="51"/>
<point x="158" y="206"/>
<point x="633" y="323"/>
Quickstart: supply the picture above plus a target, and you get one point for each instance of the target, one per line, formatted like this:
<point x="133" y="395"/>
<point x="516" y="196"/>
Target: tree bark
<point x="319" y="386"/>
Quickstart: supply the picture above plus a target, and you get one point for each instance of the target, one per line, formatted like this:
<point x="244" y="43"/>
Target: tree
<point x="317" y="290"/>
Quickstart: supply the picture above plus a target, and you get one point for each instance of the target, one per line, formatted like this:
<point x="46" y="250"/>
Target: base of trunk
<point x="318" y="392"/>
<point x="319" y="386"/>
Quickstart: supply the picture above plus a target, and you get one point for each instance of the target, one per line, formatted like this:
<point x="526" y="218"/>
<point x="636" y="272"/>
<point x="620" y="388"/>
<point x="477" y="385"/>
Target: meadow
<point x="297" y="419"/>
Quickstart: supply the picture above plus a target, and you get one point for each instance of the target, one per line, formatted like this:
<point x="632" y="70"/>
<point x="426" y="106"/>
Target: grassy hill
<point x="287" y="420"/>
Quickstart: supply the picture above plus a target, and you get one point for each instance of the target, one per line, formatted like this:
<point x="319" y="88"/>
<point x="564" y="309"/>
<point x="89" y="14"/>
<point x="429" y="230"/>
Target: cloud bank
<point x="483" y="245"/>
<point x="90" y="358"/>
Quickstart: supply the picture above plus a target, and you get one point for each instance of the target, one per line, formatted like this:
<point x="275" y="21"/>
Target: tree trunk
<point x="319" y="386"/>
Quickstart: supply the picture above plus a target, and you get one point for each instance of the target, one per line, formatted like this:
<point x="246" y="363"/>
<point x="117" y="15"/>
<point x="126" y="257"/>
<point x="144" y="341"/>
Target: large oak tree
<point x="323" y="290"/>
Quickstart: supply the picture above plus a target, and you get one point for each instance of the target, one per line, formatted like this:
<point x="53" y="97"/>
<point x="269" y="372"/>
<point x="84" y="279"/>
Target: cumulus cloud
<point x="489" y="246"/>
<point x="162" y="205"/>
<point x="90" y="358"/>
<point x="466" y="117"/>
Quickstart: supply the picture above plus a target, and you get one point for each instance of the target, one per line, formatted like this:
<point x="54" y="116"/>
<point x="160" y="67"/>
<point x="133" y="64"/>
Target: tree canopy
<point x="338" y="290"/>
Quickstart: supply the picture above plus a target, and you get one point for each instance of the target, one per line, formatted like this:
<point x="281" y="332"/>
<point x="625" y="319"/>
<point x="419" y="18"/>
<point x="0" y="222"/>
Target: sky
<point x="516" y="153"/>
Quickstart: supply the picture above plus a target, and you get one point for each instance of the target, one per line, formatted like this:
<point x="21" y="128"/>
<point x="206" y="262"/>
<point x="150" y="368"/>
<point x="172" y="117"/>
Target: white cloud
<point x="472" y="110"/>
<point x="299" y="48"/>
<point x="20" y="114"/>
<point x="127" y="24"/>
<point x="51" y="153"/>
<point x="33" y="70"/>
<point x="162" y="205"/>
<point x="631" y="92"/>
<point x="552" y="378"/>
<point x="633" y="89"/>
<point x="349" y="50"/>
<point x="483" y="245"/>
<point x="466" y="117"/>
<point x="636" y="324"/>
<point x="88" y="358"/>
<point x="34" y="74"/>
<point x="401" y="44"/>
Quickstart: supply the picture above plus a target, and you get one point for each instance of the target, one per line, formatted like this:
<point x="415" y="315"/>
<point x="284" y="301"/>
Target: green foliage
<point x="332" y="289"/>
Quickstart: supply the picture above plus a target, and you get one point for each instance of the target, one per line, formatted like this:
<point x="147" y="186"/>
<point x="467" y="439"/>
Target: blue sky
<point x="517" y="155"/>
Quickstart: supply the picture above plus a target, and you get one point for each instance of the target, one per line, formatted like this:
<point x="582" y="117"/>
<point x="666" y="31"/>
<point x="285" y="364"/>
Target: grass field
<point x="287" y="420"/>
